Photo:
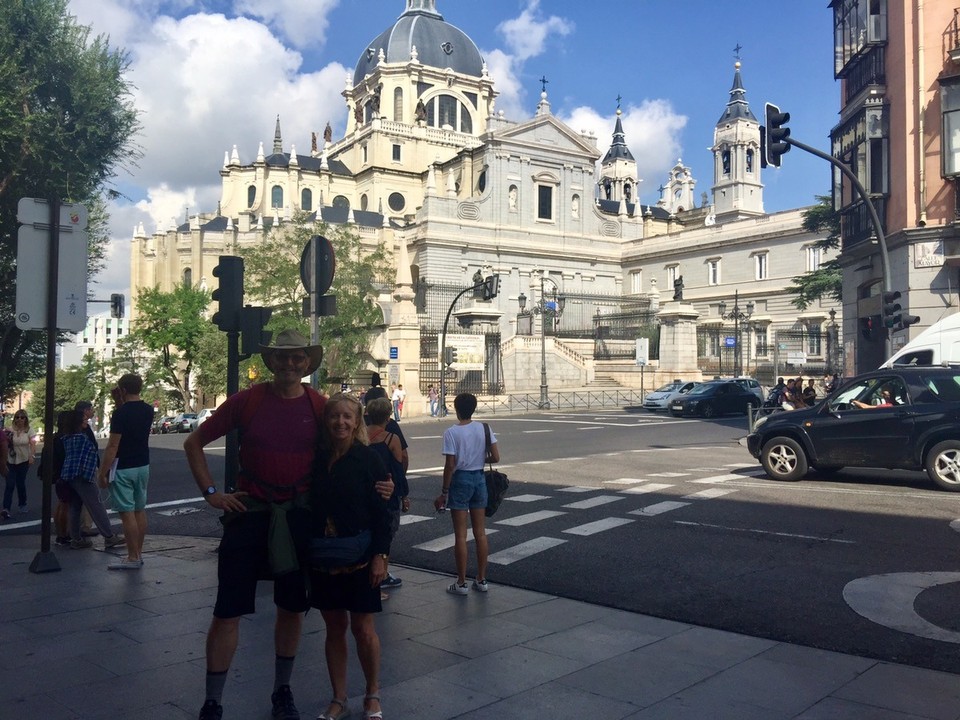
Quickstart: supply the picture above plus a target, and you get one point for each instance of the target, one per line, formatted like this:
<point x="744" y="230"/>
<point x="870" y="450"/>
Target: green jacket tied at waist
<point x="281" y="549"/>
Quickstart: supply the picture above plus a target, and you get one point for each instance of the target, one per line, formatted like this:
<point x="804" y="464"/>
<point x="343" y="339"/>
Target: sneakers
<point x="283" y="706"/>
<point x="81" y="544"/>
<point x="89" y="532"/>
<point x="211" y="710"/>
<point x="114" y="540"/>
<point x="458" y="589"/>
<point x="4" y="514"/>
<point x="480" y="585"/>
<point x="125" y="564"/>
<point x="23" y="510"/>
<point x="62" y="540"/>
<point x="391" y="582"/>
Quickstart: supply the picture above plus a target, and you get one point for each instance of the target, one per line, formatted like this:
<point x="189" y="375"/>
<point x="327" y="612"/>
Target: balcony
<point x="855" y="225"/>
<point x="868" y="70"/>
<point x="951" y="37"/>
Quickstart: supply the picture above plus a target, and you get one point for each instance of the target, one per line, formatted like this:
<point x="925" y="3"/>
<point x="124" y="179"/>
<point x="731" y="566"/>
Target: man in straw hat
<point x="266" y="522"/>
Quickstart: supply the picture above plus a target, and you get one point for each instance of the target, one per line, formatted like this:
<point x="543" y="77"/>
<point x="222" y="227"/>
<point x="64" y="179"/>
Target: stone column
<point x="678" y="338"/>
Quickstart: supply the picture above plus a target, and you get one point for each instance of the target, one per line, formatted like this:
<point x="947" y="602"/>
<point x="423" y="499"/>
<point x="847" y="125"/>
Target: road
<point x="673" y="518"/>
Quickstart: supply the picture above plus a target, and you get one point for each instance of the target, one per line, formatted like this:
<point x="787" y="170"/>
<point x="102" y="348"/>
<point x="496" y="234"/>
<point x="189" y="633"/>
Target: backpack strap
<point x="257" y="392"/>
<point x="489" y="445"/>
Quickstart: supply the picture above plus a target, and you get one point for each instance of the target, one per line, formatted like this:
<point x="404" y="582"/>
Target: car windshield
<point x="669" y="387"/>
<point x="701" y="389"/>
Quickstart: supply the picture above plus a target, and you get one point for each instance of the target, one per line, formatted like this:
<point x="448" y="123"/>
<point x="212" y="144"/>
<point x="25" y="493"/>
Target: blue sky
<point x="213" y="74"/>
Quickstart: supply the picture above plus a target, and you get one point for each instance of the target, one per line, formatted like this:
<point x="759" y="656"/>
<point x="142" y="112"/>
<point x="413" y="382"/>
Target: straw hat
<point x="292" y="340"/>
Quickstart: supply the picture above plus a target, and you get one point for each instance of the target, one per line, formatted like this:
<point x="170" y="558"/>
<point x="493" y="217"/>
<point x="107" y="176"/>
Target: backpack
<point x="395" y="468"/>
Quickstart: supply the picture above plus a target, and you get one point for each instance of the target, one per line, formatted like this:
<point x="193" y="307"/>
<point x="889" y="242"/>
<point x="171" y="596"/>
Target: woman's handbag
<point x="497" y="482"/>
<point x="327" y="553"/>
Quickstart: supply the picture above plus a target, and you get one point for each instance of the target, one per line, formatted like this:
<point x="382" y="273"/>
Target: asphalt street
<point x="673" y="518"/>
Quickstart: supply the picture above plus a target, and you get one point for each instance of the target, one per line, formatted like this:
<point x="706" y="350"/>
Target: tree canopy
<point x="272" y="278"/>
<point x="826" y="282"/>
<point x="67" y="123"/>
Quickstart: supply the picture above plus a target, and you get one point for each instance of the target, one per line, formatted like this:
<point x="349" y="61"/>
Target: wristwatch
<point x="386" y="558"/>
<point x="210" y="490"/>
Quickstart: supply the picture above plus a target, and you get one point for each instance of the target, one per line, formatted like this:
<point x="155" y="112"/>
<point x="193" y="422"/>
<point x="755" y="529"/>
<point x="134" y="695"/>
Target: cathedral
<point x="456" y="191"/>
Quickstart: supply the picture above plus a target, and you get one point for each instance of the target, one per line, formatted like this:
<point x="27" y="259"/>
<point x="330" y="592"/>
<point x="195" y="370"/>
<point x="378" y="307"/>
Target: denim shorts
<point x="468" y="490"/>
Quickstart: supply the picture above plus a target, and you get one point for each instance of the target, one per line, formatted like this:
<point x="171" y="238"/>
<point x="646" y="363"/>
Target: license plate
<point x="677" y="406"/>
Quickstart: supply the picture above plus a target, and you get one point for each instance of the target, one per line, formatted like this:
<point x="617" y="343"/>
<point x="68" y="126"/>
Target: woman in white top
<point x="23" y="444"/>
<point x="464" y="489"/>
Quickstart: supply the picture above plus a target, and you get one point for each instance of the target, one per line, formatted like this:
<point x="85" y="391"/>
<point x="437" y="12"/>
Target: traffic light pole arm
<point x="443" y="342"/>
<point x="874" y="218"/>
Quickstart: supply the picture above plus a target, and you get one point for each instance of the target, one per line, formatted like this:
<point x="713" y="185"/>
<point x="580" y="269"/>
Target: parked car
<point x="202" y="416"/>
<point x="183" y="423"/>
<point x="714" y="398"/>
<point x="661" y="398"/>
<point x="747" y="383"/>
<point x="162" y="424"/>
<point x="904" y="417"/>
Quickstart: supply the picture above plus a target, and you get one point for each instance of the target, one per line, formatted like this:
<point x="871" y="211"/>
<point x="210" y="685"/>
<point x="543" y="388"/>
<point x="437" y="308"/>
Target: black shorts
<point x="345" y="591"/>
<point x="243" y="560"/>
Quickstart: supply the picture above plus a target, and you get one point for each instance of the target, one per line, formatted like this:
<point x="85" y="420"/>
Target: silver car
<point x="661" y="398"/>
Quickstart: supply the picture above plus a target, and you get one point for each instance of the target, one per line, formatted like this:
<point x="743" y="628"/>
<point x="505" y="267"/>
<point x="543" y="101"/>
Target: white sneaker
<point x="458" y="589"/>
<point x="480" y="585"/>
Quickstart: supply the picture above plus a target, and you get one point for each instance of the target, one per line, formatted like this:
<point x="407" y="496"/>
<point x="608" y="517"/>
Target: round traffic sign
<point x="317" y="265"/>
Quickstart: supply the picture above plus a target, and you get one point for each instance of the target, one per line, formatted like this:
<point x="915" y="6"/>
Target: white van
<point x="938" y="344"/>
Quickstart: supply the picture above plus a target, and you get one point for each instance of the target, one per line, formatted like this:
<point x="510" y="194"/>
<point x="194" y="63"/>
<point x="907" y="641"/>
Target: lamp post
<point x="737" y="316"/>
<point x="541" y="308"/>
<point x="833" y="347"/>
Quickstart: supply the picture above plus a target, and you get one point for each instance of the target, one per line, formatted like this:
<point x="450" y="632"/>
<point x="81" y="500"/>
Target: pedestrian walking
<point x="464" y="489"/>
<point x="397" y="399"/>
<point x="86" y="407"/>
<point x="267" y="520"/>
<point x="434" y="398"/>
<point x="22" y="446"/>
<point x="127" y="459"/>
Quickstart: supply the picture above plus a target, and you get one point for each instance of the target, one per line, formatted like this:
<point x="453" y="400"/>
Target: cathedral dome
<point x="439" y="44"/>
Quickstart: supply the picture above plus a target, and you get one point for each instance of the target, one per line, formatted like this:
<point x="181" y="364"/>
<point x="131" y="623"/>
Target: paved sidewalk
<point x="87" y="643"/>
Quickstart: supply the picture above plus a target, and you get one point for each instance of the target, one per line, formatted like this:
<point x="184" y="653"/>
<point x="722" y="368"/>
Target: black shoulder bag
<point x="497" y="482"/>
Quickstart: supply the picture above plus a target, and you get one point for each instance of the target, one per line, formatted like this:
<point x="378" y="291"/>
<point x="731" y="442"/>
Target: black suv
<point x="902" y="418"/>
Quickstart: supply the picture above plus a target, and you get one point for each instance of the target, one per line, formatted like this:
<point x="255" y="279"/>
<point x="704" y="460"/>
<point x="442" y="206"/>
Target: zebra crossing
<point x="619" y="496"/>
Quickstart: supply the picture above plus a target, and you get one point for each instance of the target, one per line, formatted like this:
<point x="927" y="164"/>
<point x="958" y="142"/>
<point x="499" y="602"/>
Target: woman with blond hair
<point x="348" y="511"/>
<point x="23" y="445"/>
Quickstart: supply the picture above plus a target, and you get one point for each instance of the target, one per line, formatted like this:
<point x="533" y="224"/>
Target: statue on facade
<point x="375" y="101"/>
<point x="327" y="133"/>
<point x="313" y="142"/>
<point x="478" y="284"/>
<point x="420" y="114"/>
<point x="358" y="114"/>
<point x="678" y="288"/>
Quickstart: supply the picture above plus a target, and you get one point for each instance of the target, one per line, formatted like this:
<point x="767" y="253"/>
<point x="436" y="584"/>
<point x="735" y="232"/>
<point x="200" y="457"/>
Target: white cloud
<point x="526" y="36"/>
<point x="303" y="22"/>
<point x="652" y="133"/>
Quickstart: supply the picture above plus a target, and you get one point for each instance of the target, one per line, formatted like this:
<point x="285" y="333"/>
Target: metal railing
<point x="561" y="400"/>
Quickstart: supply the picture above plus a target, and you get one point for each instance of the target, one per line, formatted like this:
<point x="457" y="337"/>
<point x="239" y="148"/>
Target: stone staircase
<point x="603" y="382"/>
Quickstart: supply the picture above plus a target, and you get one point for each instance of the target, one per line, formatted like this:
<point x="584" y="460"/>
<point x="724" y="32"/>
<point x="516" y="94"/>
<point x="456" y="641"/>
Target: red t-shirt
<point x="277" y="446"/>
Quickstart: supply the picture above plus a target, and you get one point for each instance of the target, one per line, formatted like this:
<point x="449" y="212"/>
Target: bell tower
<point x="737" y="190"/>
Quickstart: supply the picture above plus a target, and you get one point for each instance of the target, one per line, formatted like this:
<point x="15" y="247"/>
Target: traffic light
<point x="252" y="335"/>
<point x="449" y="356"/>
<point x="891" y="309"/>
<point x="774" y="135"/>
<point x="908" y="320"/>
<point x="229" y="294"/>
<point x="116" y="305"/>
<point x="491" y="286"/>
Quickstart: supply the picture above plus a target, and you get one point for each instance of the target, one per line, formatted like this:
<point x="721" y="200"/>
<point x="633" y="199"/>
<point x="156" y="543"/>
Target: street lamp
<point x="833" y="345"/>
<point x="542" y="308"/>
<point x="737" y="316"/>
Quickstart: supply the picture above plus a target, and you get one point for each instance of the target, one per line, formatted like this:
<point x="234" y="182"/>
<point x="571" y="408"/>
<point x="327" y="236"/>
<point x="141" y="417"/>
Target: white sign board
<point x="470" y="351"/>
<point x="796" y="358"/>
<point x="643" y="351"/>
<point x="33" y="252"/>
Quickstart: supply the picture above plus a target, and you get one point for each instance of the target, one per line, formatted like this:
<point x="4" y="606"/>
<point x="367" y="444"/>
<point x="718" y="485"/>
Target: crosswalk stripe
<point x="409" y="519"/>
<point x="593" y="502"/>
<point x="669" y="474"/>
<point x="709" y="493"/>
<point x="530" y="518"/>
<point x="445" y="542"/>
<point x="524" y="550"/>
<point x="591" y="427"/>
<point x="599" y="526"/>
<point x="649" y="488"/>
<point x="534" y="462"/>
<point x="659" y="508"/>
<point x="624" y="481"/>
<point x="527" y="498"/>
<point x="576" y="489"/>
<point x="717" y="479"/>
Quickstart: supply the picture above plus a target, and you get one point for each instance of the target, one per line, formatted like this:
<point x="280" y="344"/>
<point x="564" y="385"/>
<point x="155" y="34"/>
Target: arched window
<point x="306" y="200"/>
<point x="341" y="201"/>
<point x="251" y="195"/>
<point x="725" y="160"/>
<point x="276" y="197"/>
<point x="364" y="201"/>
<point x="398" y="105"/>
<point x="749" y="161"/>
<point x="188" y="277"/>
<point x="448" y="110"/>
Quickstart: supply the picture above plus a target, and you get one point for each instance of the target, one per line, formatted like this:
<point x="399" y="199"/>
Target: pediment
<point x="546" y="132"/>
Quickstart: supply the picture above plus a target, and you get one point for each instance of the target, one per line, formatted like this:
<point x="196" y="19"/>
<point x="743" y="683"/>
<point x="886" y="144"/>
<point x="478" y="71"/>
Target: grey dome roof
<point x="439" y="44"/>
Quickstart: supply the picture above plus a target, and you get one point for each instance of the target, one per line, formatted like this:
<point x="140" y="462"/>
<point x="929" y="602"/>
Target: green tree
<point x="66" y="123"/>
<point x="826" y="282"/>
<point x="272" y="278"/>
<point x="71" y="385"/>
<point x="211" y="376"/>
<point x="131" y="355"/>
<point x="172" y="324"/>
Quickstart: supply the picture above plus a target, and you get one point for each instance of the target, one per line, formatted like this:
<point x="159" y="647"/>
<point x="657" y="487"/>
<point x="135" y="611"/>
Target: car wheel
<point x="943" y="465"/>
<point x="709" y="410"/>
<point x="784" y="459"/>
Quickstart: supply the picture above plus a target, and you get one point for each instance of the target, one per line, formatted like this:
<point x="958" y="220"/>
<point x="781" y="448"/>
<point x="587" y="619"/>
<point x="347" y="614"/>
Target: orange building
<point x="898" y="62"/>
